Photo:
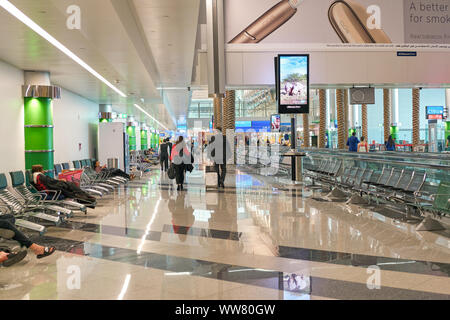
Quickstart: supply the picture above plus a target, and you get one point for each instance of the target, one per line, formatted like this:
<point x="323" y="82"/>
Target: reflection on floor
<point x="255" y="239"/>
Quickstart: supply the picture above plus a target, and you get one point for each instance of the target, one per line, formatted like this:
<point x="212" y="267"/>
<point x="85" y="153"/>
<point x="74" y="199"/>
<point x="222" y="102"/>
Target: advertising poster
<point x="293" y="80"/>
<point x="275" y="123"/>
<point x="337" y="22"/>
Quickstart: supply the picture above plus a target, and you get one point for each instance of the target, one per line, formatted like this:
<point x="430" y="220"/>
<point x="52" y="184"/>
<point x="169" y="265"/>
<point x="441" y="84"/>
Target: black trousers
<point x="221" y="170"/>
<point x="7" y="222"/>
<point x="179" y="173"/>
<point x="164" y="162"/>
<point x="118" y="172"/>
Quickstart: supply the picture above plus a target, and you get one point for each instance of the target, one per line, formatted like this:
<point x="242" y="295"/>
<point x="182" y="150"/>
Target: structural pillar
<point x="365" y="131"/>
<point x="323" y="117"/>
<point x="144" y="137"/>
<point x="394" y="114"/>
<point x="38" y="119"/>
<point x="229" y="112"/>
<point x="416" y="117"/>
<point x="346" y="114"/>
<point x="447" y="124"/>
<point x="340" y="118"/>
<point x="306" y="142"/>
<point x="229" y="122"/>
<point x="218" y="112"/>
<point x="131" y="131"/>
<point x="386" y="114"/>
<point x="105" y="113"/>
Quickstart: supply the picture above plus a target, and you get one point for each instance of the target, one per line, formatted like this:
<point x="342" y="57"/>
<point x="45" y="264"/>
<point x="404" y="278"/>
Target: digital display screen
<point x="275" y="123"/>
<point x="435" y="112"/>
<point x="293" y="83"/>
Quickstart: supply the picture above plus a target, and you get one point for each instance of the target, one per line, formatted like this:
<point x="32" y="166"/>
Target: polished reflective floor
<point x="258" y="238"/>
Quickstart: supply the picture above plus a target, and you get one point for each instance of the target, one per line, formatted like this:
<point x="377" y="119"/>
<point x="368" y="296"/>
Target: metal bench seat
<point x="30" y="189"/>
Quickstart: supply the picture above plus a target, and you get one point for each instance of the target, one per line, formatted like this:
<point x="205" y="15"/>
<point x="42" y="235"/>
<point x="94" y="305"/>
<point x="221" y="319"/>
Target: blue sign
<point x="406" y="54"/>
<point x="435" y="110"/>
<point x="243" y="124"/>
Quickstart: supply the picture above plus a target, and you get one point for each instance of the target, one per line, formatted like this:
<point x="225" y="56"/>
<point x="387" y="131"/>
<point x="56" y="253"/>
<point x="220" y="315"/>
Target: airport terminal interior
<point x="224" y="150"/>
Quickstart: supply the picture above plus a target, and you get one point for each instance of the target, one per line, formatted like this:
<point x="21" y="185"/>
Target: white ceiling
<point x="124" y="40"/>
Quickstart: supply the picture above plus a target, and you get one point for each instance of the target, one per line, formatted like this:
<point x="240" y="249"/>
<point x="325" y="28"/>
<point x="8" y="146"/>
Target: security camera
<point x="189" y="89"/>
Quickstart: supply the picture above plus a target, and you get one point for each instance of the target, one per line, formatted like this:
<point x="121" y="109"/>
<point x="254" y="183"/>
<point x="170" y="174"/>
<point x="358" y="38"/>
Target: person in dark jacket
<point x="352" y="143"/>
<point x="68" y="189"/>
<point x="220" y="163"/>
<point x="164" y="155"/>
<point x="390" y="144"/>
<point x="178" y="157"/>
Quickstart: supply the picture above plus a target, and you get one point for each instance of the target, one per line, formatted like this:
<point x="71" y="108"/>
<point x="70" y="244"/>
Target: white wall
<point x="12" y="144"/>
<point x="76" y="121"/>
<point x="253" y="65"/>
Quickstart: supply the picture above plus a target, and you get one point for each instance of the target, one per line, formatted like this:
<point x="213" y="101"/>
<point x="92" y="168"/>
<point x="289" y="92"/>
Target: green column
<point x="131" y="131"/>
<point x="394" y="132"/>
<point x="350" y="132"/>
<point x="447" y="129"/>
<point x="38" y="132"/>
<point x="144" y="140"/>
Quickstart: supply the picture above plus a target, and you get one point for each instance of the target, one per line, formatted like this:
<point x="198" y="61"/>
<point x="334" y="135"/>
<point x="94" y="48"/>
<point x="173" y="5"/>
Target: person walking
<point x="352" y="143"/>
<point x="390" y="144"/>
<point x="447" y="144"/>
<point x="177" y="157"/>
<point x="164" y="155"/>
<point x="363" y="146"/>
<point x="220" y="163"/>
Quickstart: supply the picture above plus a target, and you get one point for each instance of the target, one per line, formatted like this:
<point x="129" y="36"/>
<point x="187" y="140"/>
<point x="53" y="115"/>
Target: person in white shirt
<point x="363" y="146"/>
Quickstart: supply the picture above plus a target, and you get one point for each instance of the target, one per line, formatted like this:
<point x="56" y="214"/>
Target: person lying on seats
<point x="12" y="241"/>
<point x="113" y="172"/>
<point x="68" y="189"/>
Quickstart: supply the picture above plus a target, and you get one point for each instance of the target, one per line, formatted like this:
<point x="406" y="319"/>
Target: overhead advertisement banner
<point x="333" y="22"/>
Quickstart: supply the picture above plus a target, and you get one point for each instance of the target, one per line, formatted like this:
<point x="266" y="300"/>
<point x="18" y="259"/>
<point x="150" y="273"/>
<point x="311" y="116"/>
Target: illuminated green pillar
<point x="350" y="132"/>
<point x="38" y="119"/>
<point x="144" y="138"/>
<point x="394" y="132"/>
<point x="131" y="131"/>
<point x="105" y="113"/>
<point x="447" y="130"/>
<point x="38" y="132"/>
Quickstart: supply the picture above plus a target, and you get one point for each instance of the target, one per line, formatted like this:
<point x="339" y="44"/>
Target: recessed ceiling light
<point x="8" y="6"/>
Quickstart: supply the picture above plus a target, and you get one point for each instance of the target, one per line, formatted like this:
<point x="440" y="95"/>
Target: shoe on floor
<point x="14" y="258"/>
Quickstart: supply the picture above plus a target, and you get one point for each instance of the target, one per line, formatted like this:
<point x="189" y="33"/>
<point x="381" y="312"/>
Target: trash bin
<point x="113" y="163"/>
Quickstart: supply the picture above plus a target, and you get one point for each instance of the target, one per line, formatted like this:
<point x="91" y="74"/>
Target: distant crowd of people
<point x="356" y="145"/>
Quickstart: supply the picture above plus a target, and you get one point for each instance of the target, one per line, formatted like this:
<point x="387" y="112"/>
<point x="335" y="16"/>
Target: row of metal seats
<point x="95" y="183"/>
<point x="30" y="206"/>
<point x="393" y="185"/>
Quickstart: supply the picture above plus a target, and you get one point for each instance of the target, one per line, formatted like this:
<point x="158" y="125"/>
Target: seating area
<point x="411" y="190"/>
<point x="35" y="209"/>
